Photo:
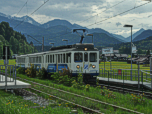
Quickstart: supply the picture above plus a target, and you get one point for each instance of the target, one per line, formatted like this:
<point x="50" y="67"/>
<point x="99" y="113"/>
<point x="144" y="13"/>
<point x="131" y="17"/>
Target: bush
<point x="55" y="77"/>
<point x="41" y="73"/>
<point x="87" y="87"/>
<point x="10" y="70"/>
<point x="138" y="99"/>
<point x="79" y="84"/>
<point x="107" y="93"/>
<point x="31" y="71"/>
<point x="20" y="70"/>
<point x="65" y="72"/>
<point x="65" y="80"/>
<point x="98" y="86"/>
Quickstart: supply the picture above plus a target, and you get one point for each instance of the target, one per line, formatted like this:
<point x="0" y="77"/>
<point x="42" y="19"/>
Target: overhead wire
<point x="91" y="17"/>
<point x="30" y="14"/>
<point x="117" y="14"/>
<point x="20" y="10"/>
<point x="103" y="11"/>
<point x="27" y="7"/>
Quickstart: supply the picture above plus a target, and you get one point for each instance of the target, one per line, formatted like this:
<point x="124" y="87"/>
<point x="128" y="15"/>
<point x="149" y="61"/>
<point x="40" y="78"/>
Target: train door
<point x="42" y="61"/>
<point x="86" y="62"/>
<point x="56" y="57"/>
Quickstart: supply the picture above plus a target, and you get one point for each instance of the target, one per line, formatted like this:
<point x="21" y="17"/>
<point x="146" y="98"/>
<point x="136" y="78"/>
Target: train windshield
<point x="93" y="57"/>
<point x="78" y="57"/>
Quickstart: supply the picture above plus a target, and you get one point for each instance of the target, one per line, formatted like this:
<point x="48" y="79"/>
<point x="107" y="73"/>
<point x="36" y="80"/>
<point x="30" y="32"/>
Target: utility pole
<point x="38" y="42"/>
<point x="6" y="68"/>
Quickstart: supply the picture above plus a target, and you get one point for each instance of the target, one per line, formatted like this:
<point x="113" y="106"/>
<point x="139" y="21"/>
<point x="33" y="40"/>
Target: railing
<point x="128" y="74"/>
<point x="10" y="75"/>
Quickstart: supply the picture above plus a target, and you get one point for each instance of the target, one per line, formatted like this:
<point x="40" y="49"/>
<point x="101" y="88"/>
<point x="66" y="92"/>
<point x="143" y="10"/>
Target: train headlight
<point x="78" y="66"/>
<point x="93" y="66"/>
<point x="85" y="49"/>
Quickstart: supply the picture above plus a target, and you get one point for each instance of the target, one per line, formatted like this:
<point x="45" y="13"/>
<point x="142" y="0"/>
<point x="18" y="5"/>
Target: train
<point x="79" y="58"/>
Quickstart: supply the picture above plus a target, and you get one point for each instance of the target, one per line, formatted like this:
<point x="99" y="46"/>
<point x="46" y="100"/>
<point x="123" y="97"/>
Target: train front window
<point x="93" y="57"/>
<point x="85" y="57"/>
<point x="78" y="57"/>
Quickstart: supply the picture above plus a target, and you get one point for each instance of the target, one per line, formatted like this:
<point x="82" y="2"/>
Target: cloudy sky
<point x="86" y="13"/>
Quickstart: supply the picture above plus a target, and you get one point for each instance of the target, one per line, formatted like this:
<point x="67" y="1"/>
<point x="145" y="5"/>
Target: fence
<point x="128" y="74"/>
<point x="10" y="74"/>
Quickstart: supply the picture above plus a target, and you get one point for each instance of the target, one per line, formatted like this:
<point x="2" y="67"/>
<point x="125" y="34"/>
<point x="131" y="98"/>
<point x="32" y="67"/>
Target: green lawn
<point x="11" y="62"/>
<point x="126" y="70"/>
<point x="121" y="65"/>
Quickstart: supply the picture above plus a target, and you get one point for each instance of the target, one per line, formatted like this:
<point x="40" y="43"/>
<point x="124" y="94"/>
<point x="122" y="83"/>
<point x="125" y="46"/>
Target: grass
<point x="123" y="100"/>
<point x="121" y="65"/>
<point x="113" y="73"/>
<point x="12" y="104"/>
<point x="120" y="99"/>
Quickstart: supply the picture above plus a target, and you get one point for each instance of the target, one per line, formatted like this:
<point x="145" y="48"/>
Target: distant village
<point x="116" y="56"/>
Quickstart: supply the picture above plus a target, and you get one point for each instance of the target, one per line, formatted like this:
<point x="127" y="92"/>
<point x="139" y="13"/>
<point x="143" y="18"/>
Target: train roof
<point x="74" y="47"/>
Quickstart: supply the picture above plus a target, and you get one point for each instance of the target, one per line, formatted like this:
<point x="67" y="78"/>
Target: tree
<point x="148" y="52"/>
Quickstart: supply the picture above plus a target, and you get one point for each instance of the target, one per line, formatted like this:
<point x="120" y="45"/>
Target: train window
<point x="53" y="58"/>
<point x="39" y="59"/>
<point x="68" y="57"/>
<point x="93" y="57"/>
<point x="58" y="58"/>
<point x="85" y="57"/>
<point x="63" y="58"/>
<point x="78" y="57"/>
<point x="50" y="58"/>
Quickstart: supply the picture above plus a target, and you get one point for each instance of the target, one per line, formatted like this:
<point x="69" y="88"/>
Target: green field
<point x="126" y="71"/>
<point x="11" y="62"/>
<point x="121" y="65"/>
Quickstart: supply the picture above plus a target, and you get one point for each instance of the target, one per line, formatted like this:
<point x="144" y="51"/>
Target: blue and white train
<point x="83" y="58"/>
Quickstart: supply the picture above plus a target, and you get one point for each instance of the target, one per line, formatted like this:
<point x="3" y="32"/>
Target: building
<point x="14" y="56"/>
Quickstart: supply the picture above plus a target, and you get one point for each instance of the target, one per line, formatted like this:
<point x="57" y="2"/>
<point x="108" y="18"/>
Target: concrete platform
<point x="127" y="82"/>
<point x="11" y="85"/>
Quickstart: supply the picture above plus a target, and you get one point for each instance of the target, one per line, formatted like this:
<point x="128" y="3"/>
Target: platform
<point x="126" y="82"/>
<point x="11" y="85"/>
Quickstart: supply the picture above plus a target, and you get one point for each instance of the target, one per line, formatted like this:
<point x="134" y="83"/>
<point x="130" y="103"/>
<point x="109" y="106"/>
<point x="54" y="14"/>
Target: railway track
<point x="126" y="90"/>
<point x="85" y="108"/>
<point x="25" y="92"/>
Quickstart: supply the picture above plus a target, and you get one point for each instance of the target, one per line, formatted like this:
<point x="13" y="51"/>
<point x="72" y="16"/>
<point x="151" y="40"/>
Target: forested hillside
<point x="16" y="40"/>
<point x="142" y="45"/>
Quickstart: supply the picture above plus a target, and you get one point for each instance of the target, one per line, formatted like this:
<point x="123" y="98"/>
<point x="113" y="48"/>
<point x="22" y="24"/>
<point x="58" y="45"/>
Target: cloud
<point x="76" y="11"/>
<point x="118" y="24"/>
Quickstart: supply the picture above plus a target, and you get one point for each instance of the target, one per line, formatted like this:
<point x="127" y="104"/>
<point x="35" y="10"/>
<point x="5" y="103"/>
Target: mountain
<point x="56" y="22"/>
<point x="28" y="19"/>
<point x="128" y="39"/>
<point x="2" y="14"/>
<point x="143" y="35"/>
<point x="56" y="30"/>
<point x="121" y="38"/>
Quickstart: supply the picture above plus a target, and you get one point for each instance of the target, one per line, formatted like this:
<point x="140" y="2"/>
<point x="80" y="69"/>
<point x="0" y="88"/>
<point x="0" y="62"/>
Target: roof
<point x="124" y="55"/>
<point x="109" y="55"/>
<point x="116" y="51"/>
<point x="118" y="55"/>
<point x="142" y="59"/>
<point x="132" y="59"/>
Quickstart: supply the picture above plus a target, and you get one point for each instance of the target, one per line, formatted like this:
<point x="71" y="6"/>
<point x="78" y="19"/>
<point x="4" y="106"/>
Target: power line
<point x="20" y="10"/>
<point x="117" y="14"/>
<point x="30" y="14"/>
<point x="27" y="7"/>
<point x="60" y="35"/>
<point x="103" y="11"/>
